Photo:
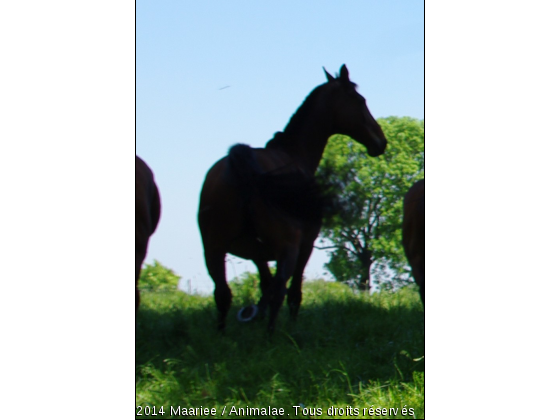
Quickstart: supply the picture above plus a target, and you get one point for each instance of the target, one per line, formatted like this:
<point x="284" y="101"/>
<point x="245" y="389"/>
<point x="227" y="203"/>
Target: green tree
<point x="363" y="233"/>
<point x="157" y="277"/>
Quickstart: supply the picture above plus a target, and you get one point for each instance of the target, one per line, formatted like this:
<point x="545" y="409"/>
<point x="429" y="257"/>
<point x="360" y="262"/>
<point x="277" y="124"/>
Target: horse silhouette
<point x="263" y="204"/>
<point x="148" y="208"/>
<point x="414" y="232"/>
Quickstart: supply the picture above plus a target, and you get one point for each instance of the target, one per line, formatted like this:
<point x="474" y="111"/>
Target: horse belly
<point x="251" y="248"/>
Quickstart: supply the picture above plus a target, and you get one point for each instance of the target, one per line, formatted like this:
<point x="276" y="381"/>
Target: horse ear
<point x="329" y="76"/>
<point x="344" y="76"/>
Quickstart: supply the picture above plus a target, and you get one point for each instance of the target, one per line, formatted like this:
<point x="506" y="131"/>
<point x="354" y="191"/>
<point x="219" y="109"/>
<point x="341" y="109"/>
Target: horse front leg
<point x="294" y="293"/>
<point x="248" y="313"/>
<point x="284" y="270"/>
<point x="215" y="262"/>
<point x="266" y="281"/>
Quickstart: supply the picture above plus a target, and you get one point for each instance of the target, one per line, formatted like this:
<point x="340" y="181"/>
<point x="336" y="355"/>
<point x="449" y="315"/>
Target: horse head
<point x="351" y="115"/>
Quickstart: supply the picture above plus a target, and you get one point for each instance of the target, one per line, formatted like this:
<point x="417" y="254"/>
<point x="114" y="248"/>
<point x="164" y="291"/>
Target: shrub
<point x="157" y="277"/>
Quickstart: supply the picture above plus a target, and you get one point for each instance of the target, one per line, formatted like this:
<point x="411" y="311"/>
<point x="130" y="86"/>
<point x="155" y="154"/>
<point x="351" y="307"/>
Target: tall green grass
<point x="347" y="350"/>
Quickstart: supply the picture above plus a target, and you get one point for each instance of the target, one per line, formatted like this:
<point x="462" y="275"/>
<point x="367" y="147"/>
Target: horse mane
<point x="307" y="107"/>
<point x="281" y="139"/>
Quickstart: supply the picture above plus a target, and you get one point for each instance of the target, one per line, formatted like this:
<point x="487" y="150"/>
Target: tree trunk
<point x="364" y="277"/>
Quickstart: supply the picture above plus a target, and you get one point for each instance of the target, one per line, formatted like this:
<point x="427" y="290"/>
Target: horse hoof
<point x="247" y="313"/>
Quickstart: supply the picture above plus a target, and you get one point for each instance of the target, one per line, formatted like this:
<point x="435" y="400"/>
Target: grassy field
<point x="349" y="355"/>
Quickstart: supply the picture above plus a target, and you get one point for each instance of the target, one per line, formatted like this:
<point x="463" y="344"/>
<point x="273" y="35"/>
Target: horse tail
<point x="243" y="169"/>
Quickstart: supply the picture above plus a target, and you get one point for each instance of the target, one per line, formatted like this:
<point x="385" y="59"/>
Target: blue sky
<point x="271" y="55"/>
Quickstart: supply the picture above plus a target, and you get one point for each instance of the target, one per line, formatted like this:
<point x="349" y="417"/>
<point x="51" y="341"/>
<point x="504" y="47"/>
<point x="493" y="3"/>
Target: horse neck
<point x="307" y="145"/>
<point x="306" y="135"/>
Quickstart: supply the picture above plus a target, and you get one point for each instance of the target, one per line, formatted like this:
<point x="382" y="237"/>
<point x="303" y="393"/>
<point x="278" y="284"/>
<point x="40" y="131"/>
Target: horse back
<point x="229" y="178"/>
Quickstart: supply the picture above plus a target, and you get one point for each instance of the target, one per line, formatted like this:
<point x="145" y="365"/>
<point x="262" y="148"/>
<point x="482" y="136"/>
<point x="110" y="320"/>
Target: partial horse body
<point x="262" y="204"/>
<point x="414" y="232"/>
<point x="148" y="209"/>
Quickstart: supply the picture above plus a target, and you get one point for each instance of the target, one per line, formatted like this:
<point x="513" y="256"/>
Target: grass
<point x="346" y="351"/>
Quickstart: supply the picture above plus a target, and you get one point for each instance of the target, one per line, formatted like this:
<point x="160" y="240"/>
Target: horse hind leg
<point x="215" y="262"/>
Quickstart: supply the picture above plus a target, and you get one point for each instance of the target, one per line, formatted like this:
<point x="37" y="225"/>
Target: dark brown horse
<point x="414" y="232"/>
<point x="147" y="214"/>
<point x="262" y="204"/>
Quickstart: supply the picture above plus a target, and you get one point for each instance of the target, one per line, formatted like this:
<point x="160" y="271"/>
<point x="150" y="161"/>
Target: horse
<point x="413" y="232"/>
<point x="263" y="204"/>
<point x="148" y="209"/>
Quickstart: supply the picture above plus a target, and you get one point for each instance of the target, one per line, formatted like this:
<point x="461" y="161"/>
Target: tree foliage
<point x="363" y="233"/>
<point x="157" y="277"/>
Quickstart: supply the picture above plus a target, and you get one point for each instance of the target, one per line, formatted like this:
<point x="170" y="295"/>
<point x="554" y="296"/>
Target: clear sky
<point x="211" y="74"/>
